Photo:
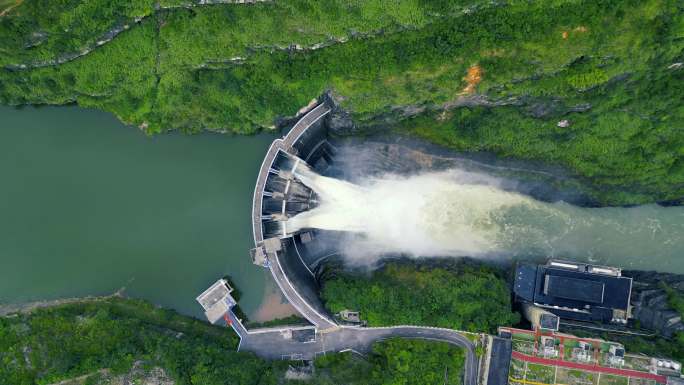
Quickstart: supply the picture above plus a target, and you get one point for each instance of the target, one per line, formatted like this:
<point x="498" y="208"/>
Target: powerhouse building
<point x="575" y="291"/>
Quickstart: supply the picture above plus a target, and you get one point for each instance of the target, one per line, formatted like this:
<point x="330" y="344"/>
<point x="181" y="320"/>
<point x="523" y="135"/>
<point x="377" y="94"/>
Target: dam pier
<point x="292" y="257"/>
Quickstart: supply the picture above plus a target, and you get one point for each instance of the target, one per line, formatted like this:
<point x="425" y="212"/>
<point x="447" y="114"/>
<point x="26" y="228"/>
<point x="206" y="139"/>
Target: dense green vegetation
<point x="449" y="294"/>
<point x="72" y="340"/>
<point x="609" y="68"/>
<point x="396" y="362"/>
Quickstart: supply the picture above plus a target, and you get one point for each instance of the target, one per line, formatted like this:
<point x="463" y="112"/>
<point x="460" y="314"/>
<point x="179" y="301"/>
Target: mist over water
<point x="459" y="213"/>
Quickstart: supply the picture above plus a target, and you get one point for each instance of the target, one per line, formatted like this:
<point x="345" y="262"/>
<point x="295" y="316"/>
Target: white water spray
<point x="455" y="214"/>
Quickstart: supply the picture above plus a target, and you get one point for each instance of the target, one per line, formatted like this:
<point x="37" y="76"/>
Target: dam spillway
<point x="453" y="213"/>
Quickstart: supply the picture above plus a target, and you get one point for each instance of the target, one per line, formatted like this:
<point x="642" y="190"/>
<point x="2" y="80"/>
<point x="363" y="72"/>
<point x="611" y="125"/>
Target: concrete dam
<point x="292" y="257"/>
<point x="292" y="254"/>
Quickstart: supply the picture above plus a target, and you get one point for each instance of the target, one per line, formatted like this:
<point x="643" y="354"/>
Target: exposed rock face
<point x="580" y="107"/>
<point x="339" y="121"/>
<point x="541" y="108"/>
<point x="544" y="108"/>
<point x="71" y="56"/>
<point x="653" y="312"/>
<point x="538" y="108"/>
<point x="650" y="301"/>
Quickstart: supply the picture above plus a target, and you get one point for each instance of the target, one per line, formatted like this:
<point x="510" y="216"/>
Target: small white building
<point x="616" y="355"/>
<point x="584" y="352"/>
<point x="548" y="345"/>
<point x="216" y="300"/>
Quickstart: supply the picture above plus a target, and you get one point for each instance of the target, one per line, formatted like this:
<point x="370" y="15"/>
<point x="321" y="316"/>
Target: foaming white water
<point x="454" y="213"/>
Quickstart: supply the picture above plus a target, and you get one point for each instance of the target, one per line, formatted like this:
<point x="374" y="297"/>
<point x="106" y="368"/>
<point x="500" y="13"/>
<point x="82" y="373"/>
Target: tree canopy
<point x="453" y="295"/>
<point x="496" y="77"/>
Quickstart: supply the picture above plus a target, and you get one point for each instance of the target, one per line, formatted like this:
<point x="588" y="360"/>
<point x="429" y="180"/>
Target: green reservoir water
<point x="89" y="205"/>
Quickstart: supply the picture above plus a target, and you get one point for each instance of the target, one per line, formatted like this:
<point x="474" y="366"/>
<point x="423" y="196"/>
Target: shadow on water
<point x="360" y="158"/>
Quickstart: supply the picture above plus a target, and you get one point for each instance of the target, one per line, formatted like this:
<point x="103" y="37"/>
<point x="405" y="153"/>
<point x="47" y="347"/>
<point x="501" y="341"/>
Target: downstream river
<point x="89" y="205"/>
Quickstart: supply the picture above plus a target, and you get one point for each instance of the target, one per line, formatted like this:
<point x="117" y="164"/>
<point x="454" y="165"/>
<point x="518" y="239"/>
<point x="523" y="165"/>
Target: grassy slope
<point x="173" y="71"/>
<point x="68" y="341"/>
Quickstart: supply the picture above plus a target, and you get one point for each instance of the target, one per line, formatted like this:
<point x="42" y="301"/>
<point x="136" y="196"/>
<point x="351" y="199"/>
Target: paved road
<point x="437" y="334"/>
<point x="278" y="344"/>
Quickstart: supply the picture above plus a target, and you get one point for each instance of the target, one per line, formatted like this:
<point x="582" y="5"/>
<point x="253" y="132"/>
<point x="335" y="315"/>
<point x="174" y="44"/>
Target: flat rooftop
<point x="574" y="288"/>
<point x="216" y="300"/>
<point x="576" y="291"/>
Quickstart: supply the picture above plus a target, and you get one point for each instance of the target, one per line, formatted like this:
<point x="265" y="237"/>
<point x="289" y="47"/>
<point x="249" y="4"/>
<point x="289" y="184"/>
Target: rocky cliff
<point x="652" y="306"/>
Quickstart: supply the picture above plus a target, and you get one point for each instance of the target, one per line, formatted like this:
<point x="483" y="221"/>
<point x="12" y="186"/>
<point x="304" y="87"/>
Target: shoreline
<point x="8" y="310"/>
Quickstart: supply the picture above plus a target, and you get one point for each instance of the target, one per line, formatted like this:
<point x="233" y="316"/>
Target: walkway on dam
<point x="321" y="321"/>
<point x="285" y="145"/>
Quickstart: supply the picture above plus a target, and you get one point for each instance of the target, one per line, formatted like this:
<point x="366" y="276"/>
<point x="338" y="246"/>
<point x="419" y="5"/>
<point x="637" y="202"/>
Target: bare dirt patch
<point x="8" y="5"/>
<point x="579" y="29"/>
<point x="473" y="78"/>
<point x="273" y="306"/>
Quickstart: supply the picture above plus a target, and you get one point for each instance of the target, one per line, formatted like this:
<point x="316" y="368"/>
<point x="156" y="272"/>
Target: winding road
<point x="281" y="343"/>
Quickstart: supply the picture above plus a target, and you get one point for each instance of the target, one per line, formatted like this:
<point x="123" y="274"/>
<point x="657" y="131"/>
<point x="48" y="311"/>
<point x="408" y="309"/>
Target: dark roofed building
<point x="575" y="291"/>
<point x="525" y="276"/>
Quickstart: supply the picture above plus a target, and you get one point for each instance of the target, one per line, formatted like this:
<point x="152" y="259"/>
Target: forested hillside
<point x="105" y="341"/>
<point x="594" y="86"/>
<point x="456" y="295"/>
